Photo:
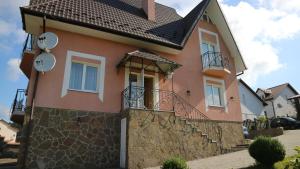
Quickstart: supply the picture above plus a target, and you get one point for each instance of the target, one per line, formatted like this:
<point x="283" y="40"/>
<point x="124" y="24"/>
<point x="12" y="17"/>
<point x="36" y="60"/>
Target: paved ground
<point x="241" y="159"/>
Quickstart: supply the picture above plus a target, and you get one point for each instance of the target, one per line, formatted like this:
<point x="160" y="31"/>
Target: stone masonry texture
<point x="154" y="137"/>
<point x="69" y="139"/>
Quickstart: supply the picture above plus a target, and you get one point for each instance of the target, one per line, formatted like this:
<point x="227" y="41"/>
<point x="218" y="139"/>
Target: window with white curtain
<point x="215" y="96"/>
<point x="83" y="77"/>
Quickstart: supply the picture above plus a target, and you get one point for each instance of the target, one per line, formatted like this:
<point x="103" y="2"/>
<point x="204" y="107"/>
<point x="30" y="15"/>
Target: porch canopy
<point x="148" y="61"/>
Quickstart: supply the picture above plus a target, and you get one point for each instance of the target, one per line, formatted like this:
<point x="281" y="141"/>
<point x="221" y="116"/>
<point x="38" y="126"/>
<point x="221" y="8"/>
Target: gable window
<point x="208" y="47"/>
<point x="214" y="95"/>
<point x="83" y="77"/>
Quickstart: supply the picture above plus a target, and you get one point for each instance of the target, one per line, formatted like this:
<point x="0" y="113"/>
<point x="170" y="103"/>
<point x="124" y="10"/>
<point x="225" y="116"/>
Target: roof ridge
<point x="278" y="86"/>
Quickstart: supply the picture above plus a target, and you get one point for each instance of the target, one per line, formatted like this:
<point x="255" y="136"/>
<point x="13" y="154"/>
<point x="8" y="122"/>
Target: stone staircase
<point x="196" y="121"/>
<point x="8" y="154"/>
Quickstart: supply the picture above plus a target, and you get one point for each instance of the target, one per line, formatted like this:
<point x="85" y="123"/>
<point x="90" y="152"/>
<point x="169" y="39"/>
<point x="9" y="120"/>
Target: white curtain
<point x="91" y="78"/>
<point x="76" y="76"/>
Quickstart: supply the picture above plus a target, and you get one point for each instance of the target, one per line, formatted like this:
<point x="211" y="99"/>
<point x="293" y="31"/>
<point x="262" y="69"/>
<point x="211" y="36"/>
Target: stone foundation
<point x="68" y="139"/>
<point x="155" y="137"/>
<point x="272" y="132"/>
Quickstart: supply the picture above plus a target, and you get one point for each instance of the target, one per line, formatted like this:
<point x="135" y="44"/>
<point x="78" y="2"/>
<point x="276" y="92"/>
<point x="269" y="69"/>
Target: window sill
<point x="215" y="106"/>
<point x="85" y="91"/>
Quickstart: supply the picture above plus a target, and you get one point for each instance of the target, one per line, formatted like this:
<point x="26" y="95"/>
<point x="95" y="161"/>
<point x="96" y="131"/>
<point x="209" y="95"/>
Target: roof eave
<point x="190" y="31"/>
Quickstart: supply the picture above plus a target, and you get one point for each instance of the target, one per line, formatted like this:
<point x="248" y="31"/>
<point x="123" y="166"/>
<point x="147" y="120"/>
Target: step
<point x="213" y="141"/>
<point x="243" y="145"/>
<point x="205" y="135"/>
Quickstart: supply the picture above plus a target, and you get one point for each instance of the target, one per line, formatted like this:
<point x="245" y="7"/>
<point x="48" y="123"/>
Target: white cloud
<point x="10" y="20"/>
<point x="289" y="6"/>
<point x="256" y="27"/>
<point x="13" y="70"/>
<point x="4" y="112"/>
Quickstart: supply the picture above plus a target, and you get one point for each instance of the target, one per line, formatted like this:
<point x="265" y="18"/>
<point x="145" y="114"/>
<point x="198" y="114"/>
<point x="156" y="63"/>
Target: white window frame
<point x="203" y="41"/>
<point x="85" y="64"/>
<point x="100" y="73"/>
<point x="222" y="90"/>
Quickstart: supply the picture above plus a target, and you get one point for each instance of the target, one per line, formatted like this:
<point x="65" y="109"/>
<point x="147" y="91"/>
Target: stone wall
<point x="155" y="137"/>
<point x="68" y="139"/>
<point x="272" y="132"/>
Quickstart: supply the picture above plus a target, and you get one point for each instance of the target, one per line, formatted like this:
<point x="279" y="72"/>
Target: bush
<point x="267" y="151"/>
<point x="175" y="163"/>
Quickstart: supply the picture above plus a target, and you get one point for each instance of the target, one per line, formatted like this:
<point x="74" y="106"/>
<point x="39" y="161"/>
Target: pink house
<point x="118" y="63"/>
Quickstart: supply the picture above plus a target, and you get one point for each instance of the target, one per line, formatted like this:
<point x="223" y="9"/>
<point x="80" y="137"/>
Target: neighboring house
<point x="278" y="101"/>
<point x="134" y="84"/>
<point x="296" y="101"/>
<point x="252" y="105"/>
<point x="8" y="132"/>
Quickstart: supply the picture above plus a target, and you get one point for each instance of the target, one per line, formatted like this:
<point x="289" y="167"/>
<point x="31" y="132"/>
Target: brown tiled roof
<point x="122" y="17"/>
<point x="276" y="90"/>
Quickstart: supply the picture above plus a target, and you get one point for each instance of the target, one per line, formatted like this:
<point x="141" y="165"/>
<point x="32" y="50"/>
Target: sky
<point x="267" y="33"/>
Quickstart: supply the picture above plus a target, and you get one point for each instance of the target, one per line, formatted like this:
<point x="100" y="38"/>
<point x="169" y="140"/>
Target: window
<point x="214" y="95"/>
<point x="208" y="47"/>
<point x="83" y="77"/>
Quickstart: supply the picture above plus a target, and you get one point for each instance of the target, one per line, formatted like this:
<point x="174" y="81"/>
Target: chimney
<point x="149" y="8"/>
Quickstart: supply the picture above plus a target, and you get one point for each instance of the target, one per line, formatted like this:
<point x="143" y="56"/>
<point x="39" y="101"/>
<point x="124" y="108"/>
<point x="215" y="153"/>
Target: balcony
<point x="215" y="64"/>
<point x="27" y="56"/>
<point x="135" y="97"/>
<point x="18" y="107"/>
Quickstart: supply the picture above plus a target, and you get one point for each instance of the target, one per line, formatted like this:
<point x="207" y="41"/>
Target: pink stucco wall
<point x="188" y="77"/>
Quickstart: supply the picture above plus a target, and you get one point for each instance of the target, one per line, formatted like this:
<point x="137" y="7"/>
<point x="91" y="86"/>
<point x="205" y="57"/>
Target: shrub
<point x="175" y="163"/>
<point x="262" y="119"/>
<point x="267" y="151"/>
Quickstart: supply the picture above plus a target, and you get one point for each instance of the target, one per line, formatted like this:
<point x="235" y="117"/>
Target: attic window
<point x="206" y="18"/>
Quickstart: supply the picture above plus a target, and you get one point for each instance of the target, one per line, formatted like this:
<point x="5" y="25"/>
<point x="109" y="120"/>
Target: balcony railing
<point x="18" y="106"/>
<point x="135" y="97"/>
<point x="28" y="44"/>
<point x="214" y="60"/>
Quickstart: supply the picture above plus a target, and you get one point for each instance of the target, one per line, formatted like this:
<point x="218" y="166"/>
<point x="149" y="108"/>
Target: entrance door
<point x="136" y="91"/>
<point x="149" y="92"/>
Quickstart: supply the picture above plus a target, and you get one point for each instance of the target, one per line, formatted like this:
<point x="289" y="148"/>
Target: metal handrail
<point x="28" y="44"/>
<point x="215" y="59"/>
<point x="19" y="103"/>
<point x="162" y="100"/>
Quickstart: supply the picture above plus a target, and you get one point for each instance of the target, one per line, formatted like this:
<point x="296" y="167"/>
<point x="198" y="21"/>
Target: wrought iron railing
<point x="135" y="97"/>
<point x="215" y="59"/>
<point x="28" y="44"/>
<point x="19" y="102"/>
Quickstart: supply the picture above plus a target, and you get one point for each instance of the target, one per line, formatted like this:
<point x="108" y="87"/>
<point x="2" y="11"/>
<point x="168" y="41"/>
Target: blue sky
<point x="267" y="32"/>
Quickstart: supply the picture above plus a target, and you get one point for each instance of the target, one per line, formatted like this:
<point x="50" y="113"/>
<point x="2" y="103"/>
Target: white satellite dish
<point x="47" y="40"/>
<point x="44" y="62"/>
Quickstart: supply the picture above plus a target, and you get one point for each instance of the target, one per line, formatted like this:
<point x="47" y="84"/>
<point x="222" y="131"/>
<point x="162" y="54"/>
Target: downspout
<point x="27" y="132"/>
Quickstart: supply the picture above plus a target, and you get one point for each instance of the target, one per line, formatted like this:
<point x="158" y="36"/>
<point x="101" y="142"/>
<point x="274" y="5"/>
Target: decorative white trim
<point x="101" y="72"/>
<point x="211" y="33"/>
<point x="223" y="91"/>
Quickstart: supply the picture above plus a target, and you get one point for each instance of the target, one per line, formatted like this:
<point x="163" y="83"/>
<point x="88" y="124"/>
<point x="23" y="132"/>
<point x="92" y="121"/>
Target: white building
<point x="8" y="132"/>
<point x="278" y="101"/>
<point x="252" y="105"/>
